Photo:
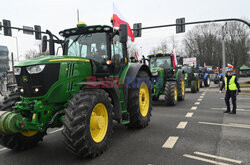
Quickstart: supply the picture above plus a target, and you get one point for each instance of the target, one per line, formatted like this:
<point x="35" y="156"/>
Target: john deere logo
<point x="25" y="79"/>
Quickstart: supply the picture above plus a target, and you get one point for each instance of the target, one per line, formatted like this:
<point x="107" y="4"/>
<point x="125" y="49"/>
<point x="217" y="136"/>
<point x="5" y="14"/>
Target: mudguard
<point x="131" y="76"/>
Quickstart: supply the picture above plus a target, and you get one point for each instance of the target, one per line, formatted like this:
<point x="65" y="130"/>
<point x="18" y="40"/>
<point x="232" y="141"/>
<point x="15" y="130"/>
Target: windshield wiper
<point x="76" y="39"/>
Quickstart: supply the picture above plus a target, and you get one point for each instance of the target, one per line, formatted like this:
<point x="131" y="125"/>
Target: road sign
<point x="28" y="30"/>
<point x="189" y="61"/>
<point x="180" y="27"/>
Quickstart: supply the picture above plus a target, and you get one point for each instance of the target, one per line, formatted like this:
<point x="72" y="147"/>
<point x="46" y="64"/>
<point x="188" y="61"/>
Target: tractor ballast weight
<point x="84" y="90"/>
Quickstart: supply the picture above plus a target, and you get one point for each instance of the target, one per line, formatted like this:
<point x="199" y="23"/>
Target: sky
<point x="56" y="15"/>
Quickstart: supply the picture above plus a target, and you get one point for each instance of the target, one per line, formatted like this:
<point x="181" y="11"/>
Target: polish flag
<point x="204" y="65"/>
<point x="119" y="19"/>
<point x="174" y="58"/>
<point x="230" y="66"/>
<point x="136" y="56"/>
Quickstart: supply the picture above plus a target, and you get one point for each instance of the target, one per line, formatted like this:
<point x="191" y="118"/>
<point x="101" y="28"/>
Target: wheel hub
<point x="99" y="122"/>
<point x="144" y="99"/>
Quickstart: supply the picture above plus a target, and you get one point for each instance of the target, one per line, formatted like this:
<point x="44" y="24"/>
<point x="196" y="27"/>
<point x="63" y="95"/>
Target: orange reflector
<point x="109" y="62"/>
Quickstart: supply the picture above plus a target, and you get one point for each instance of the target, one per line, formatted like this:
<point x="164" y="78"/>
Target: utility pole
<point x="77" y="15"/>
<point x="12" y="61"/>
<point x="17" y="51"/>
<point x="223" y="49"/>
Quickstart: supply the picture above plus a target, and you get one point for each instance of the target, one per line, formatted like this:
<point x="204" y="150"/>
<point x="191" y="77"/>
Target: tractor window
<point x="161" y="62"/>
<point x="91" y="46"/>
<point x="117" y="54"/>
<point x="116" y="49"/>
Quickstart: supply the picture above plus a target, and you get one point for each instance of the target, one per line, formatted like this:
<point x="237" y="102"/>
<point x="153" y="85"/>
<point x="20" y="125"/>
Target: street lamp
<point x="223" y="48"/>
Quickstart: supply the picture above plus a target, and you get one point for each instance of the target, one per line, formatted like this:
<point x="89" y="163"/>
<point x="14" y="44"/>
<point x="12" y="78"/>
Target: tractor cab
<point x="162" y="63"/>
<point x="102" y="45"/>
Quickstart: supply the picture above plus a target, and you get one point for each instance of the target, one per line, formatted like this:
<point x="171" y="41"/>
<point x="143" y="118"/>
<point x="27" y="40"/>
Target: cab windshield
<point x="160" y="62"/>
<point x="92" y="46"/>
<point x="187" y="69"/>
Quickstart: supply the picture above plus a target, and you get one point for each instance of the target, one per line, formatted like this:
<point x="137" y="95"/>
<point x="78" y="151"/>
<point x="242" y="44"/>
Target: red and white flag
<point x="119" y="19"/>
<point x="174" y="59"/>
<point x="204" y="65"/>
<point x="230" y="66"/>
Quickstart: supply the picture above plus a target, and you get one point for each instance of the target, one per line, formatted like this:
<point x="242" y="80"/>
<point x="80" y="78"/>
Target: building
<point x="4" y="60"/>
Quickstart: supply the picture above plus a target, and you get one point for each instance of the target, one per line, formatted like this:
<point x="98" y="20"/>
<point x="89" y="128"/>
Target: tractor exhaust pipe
<point x="10" y="123"/>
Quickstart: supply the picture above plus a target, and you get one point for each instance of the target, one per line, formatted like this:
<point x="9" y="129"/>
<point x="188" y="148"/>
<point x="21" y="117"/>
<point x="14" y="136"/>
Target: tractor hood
<point x="153" y="70"/>
<point x="49" y="59"/>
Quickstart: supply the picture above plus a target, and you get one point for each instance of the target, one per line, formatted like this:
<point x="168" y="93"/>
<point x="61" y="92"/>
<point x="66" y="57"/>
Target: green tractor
<point x="84" y="90"/>
<point x="168" y="80"/>
<point x="191" y="78"/>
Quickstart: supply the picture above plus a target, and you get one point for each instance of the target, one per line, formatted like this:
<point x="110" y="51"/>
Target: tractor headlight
<point x="17" y="71"/>
<point x="35" y="69"/>
<point x="155" y="74"/>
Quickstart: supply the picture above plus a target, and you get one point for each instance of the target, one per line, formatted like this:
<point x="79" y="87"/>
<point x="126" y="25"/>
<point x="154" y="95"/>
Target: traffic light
<point x="7" y="28"/>
<point x="137" y="33"/>
<point x="180" y="27"/>
<point x="38" y="34"/>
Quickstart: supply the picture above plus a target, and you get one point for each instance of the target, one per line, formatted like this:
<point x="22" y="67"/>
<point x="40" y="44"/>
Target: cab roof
<point x="159" y="55"/>
<point x="86" y="30"/>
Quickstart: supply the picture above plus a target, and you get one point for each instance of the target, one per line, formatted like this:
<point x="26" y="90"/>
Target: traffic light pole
<point x="197" y="22"/>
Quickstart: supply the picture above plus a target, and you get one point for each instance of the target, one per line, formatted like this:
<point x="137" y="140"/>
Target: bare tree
<point x="32" y="53"/>
<point x="237" y="44"/>
<point x="204" y="43"/>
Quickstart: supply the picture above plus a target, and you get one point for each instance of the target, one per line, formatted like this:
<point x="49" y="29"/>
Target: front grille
<point x="42" y="81"/>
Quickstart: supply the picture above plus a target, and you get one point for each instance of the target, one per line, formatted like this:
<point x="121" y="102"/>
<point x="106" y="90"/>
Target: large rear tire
<point x="139" y="101"/>
<point x="171" y="93"/>
<point x="181" y="89"/>
<point x="155" y="98"/>
<point x="19" y="141"/>
<point x="88" y="123"/>
<point x="207" y="81"/>
<point x="194" y="86"/>
<point x="198" y="84"/>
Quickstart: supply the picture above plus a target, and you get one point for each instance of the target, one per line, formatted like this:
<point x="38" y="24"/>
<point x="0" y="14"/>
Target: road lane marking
<point x="226" y="125"/>
<point x="3" y="149"/>
<point x="197" y="103"/>
<point x="199" y="100"/>
<point x="56" y="131"/>
<point x="218" y="157"/>
<point x="202" y="94"/>
<point x="226" y="109"/>
<point x="243" y="125"/>
<point x="201" y="97"/>
<point x="170" y="142"/>
<point x="204" y="160"/>
<point x="182" y="125"/>
<point x="194" y="108"/>
<point x="189" y="114"/>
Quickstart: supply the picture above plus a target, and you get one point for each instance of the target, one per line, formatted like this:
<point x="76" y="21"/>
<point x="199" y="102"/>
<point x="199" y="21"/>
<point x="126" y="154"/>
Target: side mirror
<point x="123" y="33"/>
<point x="44" y="44"/>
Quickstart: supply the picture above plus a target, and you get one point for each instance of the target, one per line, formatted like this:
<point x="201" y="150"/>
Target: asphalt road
<point x="194" y="132"/>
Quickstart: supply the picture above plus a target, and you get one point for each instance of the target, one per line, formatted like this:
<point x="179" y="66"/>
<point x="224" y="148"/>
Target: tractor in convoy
<point x="168" y="80"/>
<point x="191" y="78"/>
<point x="204" y="77"/>
<point x="84" y="90"/>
